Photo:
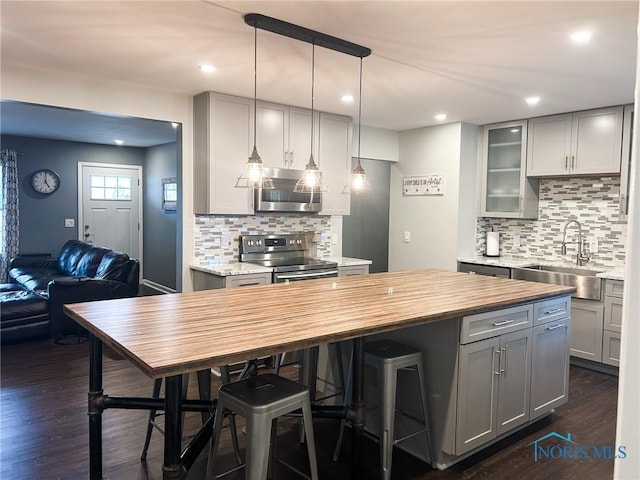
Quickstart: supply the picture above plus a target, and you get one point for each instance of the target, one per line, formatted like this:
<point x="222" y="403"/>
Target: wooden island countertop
<point x="171" y="334"/>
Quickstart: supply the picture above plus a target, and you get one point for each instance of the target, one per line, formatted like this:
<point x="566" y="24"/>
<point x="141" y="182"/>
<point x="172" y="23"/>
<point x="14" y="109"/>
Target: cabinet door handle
<point x="291" y="158"/>
<point x="573" y="162"/>
<point x="566" y="162"/>
<point x="505" y="356"/>
<point x="521" y="204"/>
<point x="499" y="324"/>
<point x="554" y="310"/>
<point x="555" y="326"/>
<point x="494" y="362"/>
<point x="622" y="205"/>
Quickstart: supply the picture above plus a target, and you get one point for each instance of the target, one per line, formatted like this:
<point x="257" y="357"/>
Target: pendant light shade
<point x="254" y="175"/>
<point x="311" y="181"/>
<point x="359" y="183"/>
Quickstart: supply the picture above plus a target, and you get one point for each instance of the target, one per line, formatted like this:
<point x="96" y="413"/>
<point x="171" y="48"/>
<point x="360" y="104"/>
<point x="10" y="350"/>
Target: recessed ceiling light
<point x="441" y="117"/>
<point x="581" y="37"/>
<point x="347" y="98"/>
<point x="119" y="142"/>
<point x="206" y="68"/>
<point x="532" y="100"/>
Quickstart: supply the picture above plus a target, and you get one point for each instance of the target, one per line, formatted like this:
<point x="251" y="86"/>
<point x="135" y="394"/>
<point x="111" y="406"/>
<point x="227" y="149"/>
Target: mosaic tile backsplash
<point x="217" y="236"/>
<point x="592" y="201"/>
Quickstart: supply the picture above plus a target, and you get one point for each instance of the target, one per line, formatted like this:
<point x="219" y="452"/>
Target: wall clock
<point x="45" y="181"/>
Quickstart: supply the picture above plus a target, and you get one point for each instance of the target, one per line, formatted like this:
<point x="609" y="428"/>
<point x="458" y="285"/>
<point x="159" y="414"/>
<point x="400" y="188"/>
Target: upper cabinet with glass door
<point x="506" y="191"/>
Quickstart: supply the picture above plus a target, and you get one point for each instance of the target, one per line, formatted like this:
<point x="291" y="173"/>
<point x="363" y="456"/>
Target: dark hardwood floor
<point x="44" y="428"/>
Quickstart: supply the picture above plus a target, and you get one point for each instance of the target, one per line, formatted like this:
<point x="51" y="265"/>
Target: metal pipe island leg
<point x="95" y="408"/>
<point x="356" y="413"/>
<point x="172" y="468"/>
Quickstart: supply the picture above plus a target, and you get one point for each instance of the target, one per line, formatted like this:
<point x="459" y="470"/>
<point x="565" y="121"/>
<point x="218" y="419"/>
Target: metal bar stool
<point x="261" y="400"/>
<point x="389" y="357"/>
<point x="203" y="385"/>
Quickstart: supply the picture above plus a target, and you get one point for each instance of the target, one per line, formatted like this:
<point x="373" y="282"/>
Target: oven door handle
<point x="306" y="275"/>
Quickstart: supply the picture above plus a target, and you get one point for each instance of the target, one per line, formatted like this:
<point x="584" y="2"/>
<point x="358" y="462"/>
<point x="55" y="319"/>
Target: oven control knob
<point x="299" y="242"/>
<point x="290" y="242"/>
<point x="251" y="243"/>
<point x="259" y="242"/>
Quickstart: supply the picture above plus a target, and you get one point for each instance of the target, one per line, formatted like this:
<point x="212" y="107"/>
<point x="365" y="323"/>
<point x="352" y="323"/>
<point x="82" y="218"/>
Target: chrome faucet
<point x="581" y="257"/>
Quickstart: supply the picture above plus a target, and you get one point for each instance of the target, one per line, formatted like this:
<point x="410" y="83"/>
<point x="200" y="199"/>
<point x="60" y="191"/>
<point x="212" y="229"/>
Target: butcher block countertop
<point x="171" y="334"/>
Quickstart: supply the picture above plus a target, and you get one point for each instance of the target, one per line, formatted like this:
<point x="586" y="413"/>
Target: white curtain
<point x="10" y="212"/>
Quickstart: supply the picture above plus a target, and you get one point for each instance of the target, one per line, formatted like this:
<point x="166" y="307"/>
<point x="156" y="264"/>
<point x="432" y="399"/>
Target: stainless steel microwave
<point x="282" y="198"/>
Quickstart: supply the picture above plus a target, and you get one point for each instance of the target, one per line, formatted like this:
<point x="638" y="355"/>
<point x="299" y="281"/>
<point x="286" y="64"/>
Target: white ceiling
<point x="474" y="60"/>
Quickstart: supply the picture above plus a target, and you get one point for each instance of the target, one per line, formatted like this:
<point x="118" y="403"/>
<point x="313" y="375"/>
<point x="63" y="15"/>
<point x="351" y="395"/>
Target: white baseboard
<point x="157" y="286"/>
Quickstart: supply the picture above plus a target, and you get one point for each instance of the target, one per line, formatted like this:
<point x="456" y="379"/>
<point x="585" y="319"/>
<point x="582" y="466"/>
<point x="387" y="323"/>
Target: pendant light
<point x="311" y="181"/>
<point x="254" y="175"/>
<point x="359" y="183"/>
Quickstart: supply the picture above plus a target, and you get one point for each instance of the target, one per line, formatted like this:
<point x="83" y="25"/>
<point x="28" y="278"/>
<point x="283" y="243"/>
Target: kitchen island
<point x="168" y="335"/>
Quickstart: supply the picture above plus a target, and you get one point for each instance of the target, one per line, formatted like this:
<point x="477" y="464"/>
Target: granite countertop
<point x="245" y="268"/>
<point x="227" y="269"/>
<point x="520" y="262"/>
<point x="349" y="262"/>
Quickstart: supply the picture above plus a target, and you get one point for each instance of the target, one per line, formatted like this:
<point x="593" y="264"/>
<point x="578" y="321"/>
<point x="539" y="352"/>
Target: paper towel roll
<point x="493" y="244"/>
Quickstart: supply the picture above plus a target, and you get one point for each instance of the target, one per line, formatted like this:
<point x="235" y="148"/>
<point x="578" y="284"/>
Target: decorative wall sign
<point x="423" y="185"/>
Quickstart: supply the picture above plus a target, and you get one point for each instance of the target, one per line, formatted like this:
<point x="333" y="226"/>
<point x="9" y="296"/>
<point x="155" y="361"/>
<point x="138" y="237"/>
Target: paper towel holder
<point x="492" y="245"/>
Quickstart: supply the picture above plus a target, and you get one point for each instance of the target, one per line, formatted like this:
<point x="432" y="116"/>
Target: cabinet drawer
<point x="614" y="288"/>
<point x="611" y="348"/>
<point x="247" y="280"/>
<point x="551" y="310"/>
<point x="487" y="325"/>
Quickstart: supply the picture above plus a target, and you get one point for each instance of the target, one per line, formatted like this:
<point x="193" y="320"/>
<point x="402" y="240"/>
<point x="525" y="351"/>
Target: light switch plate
<point x="516" y="240"/>
<point x="407" y="237"/>
<point x="593" y="246"/>
<point x="334" y="239"/>
<point x="69" y="222"/>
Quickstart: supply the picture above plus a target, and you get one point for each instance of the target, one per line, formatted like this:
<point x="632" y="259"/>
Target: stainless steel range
<point x="287" y="255"/>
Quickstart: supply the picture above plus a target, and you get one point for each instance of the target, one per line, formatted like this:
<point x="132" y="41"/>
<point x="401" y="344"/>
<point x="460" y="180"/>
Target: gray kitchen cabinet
<point x="550" y="366"/>
<point x="494" y="376"/>
<point x="353" y="270"/>
<point x="587" y="318"/>
<point x="222" y="142"/>
<point x="334" y="161"/>
<point x="209" y="281"/>
<point x="613" y="303"/>
<point x="580" y="143"/>
<point x="506" y="191"/>
<point x="284" y="135"/>
<point x="625" y="166"/>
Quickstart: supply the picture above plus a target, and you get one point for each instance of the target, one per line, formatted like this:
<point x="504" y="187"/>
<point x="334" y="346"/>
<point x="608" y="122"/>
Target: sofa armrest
<point x="38" y="260"/>
<point x="68" y="290"/>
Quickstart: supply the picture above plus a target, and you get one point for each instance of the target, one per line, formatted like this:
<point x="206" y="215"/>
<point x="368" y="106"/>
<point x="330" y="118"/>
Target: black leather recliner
<point x="82" y="272"/>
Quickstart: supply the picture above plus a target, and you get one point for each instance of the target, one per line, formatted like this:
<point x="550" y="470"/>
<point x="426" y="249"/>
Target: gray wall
<point x="160" y="227"/>
<point x="442" y="226"/>
<point x="42" y="227"/>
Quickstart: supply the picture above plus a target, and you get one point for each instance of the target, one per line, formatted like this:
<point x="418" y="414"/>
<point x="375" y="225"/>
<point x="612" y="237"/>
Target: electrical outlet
<point x="407" y="237"/>
<point x="334" y="239"/>
<point x="593" y="246"/>
<point x="516" y="240"/>
<point x="69" y="222"/>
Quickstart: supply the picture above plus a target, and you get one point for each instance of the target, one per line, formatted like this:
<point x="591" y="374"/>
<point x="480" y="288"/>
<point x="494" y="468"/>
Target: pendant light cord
<point x="313" y="77"/>
<point x="255" y="83"/>
<point x="360" y="112"/>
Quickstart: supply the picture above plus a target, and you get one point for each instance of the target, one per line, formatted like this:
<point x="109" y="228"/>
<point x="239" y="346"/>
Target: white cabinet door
<point x="549" y="145"/>
<point x="506" y="191"/>
<point x="222" y="140"/>
<point x="611" y="348"/>
<point x="334" y="161"/>
<point x="272" y="139"/>
<point x="300" y="137"/>
<point x="581" y="143"/>
<point x="596" y="141"/>
<point x="549" y="366"/>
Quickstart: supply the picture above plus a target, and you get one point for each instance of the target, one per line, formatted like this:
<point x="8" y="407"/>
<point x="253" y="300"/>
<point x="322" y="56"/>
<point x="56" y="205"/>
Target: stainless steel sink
<point x="584" y="280"/>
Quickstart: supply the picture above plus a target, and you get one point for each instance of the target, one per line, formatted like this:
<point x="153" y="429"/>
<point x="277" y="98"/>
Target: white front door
<point x="110" y="213"/>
